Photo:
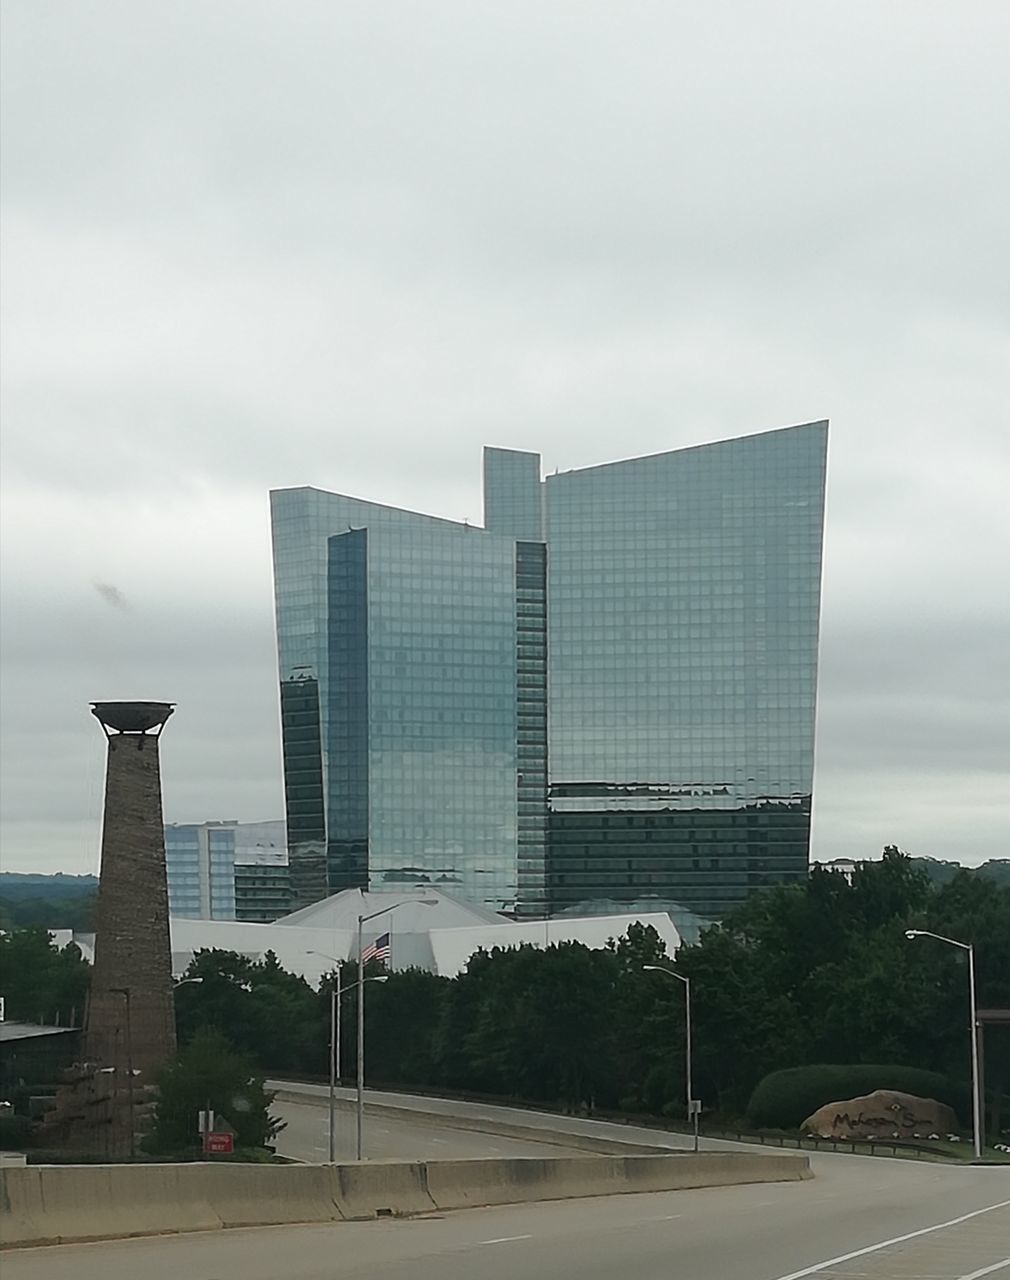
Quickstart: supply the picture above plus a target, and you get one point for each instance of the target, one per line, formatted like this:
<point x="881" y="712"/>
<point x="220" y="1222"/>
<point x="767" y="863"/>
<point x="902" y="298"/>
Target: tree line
<point x="815" y="973"/>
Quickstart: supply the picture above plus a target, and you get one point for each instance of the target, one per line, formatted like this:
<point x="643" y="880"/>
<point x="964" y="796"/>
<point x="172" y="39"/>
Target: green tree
<point x="745" y="1025"/>
<point x="972" y="909"/>
<point x="816" y="972"/>
<point x="647" y="1023"/>
<point x="41" y="982"/>
<point x="401" y="1026"/>
<point x="64" y="913"/>
<point x="264" y="1010"/>
<point x="539" y="1023"/>
<point x="210" y="1072"/>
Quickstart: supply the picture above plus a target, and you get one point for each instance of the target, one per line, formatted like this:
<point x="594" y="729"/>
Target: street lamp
<point x="693" y="1107"/>
<point x="125" y="993"/>
<point x="976" y="1093"/>
<point x="362" y="921"/>
<point x="336" y="993"/>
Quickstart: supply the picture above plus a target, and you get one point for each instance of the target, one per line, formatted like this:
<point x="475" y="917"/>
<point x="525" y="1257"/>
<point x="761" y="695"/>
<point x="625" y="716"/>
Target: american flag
<point x="377" y="950"/>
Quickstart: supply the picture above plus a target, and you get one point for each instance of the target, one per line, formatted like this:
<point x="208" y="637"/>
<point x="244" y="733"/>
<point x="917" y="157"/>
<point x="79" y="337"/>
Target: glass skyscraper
<point x="606" y="693"/>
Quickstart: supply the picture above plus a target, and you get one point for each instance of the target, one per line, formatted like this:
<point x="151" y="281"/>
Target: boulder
<point x="881" y="1114"/>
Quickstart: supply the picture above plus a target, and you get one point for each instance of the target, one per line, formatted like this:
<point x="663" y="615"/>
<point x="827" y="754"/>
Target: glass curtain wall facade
<point x="201" y="859"/>
<point x="607" y="693"/>
<point x="262" y="890"/>
<point x="683" y="606"/>
<point x="401" y="630"/>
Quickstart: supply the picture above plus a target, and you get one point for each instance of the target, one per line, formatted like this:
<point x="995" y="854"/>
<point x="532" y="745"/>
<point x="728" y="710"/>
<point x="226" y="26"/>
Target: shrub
<point x="209" y="1071"/>
<point x="784" y="1099"/>
<point x="15" y="1133"/>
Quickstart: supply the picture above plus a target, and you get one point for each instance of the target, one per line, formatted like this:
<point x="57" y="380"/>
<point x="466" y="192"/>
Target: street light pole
<point x="688" y="1037"/>
<point x="691" y="1106"/>
<point x="362" y="921"/>
<point x="337" y="991"/>
<point x="336" y="1022"/>
<point x="359" y="1110"/>
<point x="976" y="1092"/>
<point x="334" y="1071"/>
<point x="334" y="1032"/>
<point x="125" y="993"/>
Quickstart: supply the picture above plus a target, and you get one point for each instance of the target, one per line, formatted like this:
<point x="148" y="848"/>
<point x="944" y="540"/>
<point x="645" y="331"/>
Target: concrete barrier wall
<point x="45" y="1203"/>
<point x="382" y="1187"/>
<point x="248" y="1195"/>
<point x="457" y="1184"/>
<point x="50" y="1204"/>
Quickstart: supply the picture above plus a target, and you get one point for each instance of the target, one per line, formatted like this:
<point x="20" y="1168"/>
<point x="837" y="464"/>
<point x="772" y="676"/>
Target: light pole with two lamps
<point x="362" y="921"/>
<point x="693" y="1106"/>
<point x="336" y="994"/>
<point x="976" y="1095"/>
<point x="126" y="993"/>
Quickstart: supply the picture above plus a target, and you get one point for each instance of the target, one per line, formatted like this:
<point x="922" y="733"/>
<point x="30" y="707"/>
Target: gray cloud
<point x="346" y="245"/>
<point x="112" y="595"/>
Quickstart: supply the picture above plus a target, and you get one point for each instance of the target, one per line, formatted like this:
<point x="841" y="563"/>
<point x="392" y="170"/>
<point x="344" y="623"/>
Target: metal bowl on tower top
<point x="132" y="717"/>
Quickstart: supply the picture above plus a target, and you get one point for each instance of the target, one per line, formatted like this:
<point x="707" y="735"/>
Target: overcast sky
<point x="249" y="245"/>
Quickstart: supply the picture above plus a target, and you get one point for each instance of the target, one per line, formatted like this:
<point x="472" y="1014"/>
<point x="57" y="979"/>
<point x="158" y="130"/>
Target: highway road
<point x="392" y="1136"/>
<point x="406" y="1126"/>
<point x="914" y="1222"/>
<point x="861" y="1218"/>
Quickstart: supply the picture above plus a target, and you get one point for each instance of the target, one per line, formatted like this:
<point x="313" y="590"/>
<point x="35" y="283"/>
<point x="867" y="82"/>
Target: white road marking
<point x="986" y="1271"/>
<point x="504" y="1239"/>
<point x="884" y="1244"/>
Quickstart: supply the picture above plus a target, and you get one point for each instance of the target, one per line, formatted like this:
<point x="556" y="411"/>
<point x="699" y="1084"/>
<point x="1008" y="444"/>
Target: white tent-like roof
<point x="418" y="909"/>
<point x="452" y="948"/>
<point x="428" y="929"/>
<point x="307" y="952"/>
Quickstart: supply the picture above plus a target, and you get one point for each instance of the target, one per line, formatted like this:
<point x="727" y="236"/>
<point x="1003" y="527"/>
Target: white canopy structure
<point x="428" y="929"/>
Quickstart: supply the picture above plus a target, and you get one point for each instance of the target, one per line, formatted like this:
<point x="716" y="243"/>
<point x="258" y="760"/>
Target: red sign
<point x="218" y="1144"/>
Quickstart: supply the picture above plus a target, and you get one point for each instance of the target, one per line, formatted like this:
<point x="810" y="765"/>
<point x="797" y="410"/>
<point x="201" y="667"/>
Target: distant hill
<point x="57" y="902"/>
<point x="939" y="872"/>
<point x="15" y="885"/>
<point x="68" y="902"/>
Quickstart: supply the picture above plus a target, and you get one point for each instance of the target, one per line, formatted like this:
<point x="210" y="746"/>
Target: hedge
<point x="784" y="1099"/>
<point x="15" y="1133"/>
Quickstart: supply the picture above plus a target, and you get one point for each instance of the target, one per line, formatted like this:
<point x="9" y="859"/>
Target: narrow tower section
<point x="130" y="1024"/>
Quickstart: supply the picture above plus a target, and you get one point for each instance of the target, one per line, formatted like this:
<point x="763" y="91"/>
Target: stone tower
<point x="105" y="1101"/>
<point x="130" y="1022"/>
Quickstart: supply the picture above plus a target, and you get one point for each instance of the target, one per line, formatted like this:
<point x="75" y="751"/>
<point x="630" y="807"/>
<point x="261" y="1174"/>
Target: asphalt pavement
<point x="860" y="1217"/>
<point x="414" y="1118"/>
<point x="394" y="1136"/>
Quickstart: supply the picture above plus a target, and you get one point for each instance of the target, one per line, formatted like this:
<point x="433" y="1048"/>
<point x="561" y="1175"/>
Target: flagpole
<point x="362" y="920"/>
